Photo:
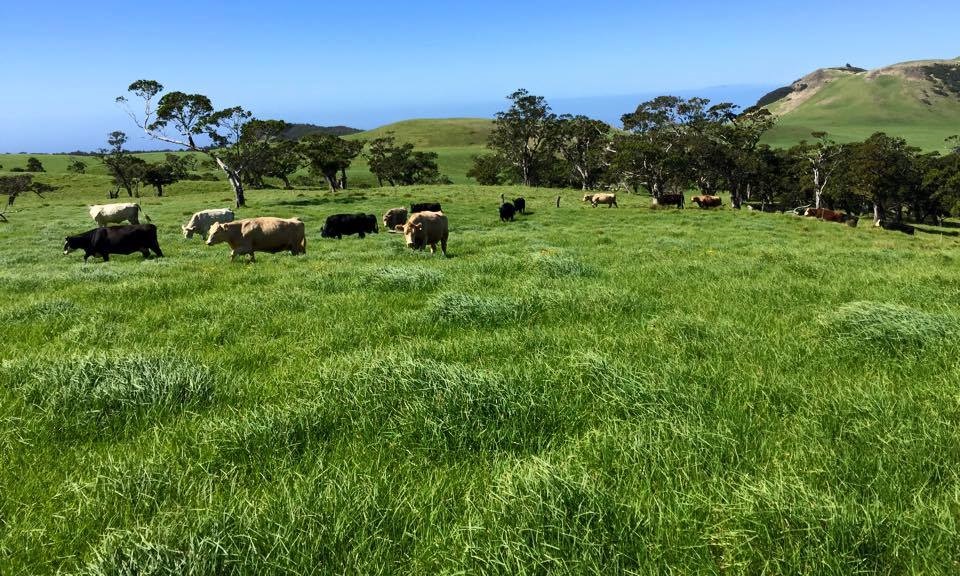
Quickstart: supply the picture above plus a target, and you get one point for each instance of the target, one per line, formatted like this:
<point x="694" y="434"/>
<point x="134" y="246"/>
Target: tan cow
<point x="105" y="214"/>
<point x="394" y="217"/>
<point x="609" y="199"/>
<point x="427" y="228"/>
<point x="263" y="234"/>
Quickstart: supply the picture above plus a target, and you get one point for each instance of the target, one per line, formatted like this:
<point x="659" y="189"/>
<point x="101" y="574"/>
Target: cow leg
<point x="146" y="253"/>
<point x="433" y="248"/>
<point x="106" y="257"/>
<point x="157" y="251"/>
<point x="362" y="235"/>
<point x="233" y="255"/>
<point x="443" y="246"/>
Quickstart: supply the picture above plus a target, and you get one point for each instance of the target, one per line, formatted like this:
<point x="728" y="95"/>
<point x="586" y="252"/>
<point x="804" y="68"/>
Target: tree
<point x="77" y="167"/>
<point x="34" y="165"/>
<point x="740" y="134"/>
<point x="125" y="168"/>
<point x="255" y="144"/>
<point x="400" y="164"/>
<point x="13" y="186"/>
<point x="283" y="161"/>
<point x="823" y="158"/>
<point x="524" y="135"/>
<point x="583" y="146"/>
<point x="327" y="155"/>
<point x="160" y="175"/>
<point x="190" y="115"/>
<point x="881" y="170"/>
<point x="488" y="170"/>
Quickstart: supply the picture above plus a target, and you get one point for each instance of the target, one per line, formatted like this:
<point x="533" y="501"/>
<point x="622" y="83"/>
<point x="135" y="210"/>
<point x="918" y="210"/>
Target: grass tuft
<point x="90" y="395"/>
<point x="893" y="327"/>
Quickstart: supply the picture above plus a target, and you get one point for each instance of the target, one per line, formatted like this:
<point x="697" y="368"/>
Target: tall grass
<point x="580" y="392"/>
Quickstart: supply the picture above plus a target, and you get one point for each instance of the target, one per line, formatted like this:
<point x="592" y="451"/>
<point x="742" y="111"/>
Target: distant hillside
<point x="297" y="131"/>
<point x="436" y="132"/>
<point x="919" y="101"/>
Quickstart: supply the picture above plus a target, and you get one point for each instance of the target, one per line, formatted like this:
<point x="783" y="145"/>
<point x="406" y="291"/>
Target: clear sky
<point x="363" y="62"/>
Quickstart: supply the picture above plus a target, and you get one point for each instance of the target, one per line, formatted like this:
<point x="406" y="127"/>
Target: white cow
<point x="116" y="213"/>
<point x="201" y="222"/>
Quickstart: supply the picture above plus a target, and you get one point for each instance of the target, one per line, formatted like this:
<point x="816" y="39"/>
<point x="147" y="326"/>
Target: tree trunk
<point x="877" y="214"/>
<point x="286" y="182"/>
<point x="331" y="178"/>
<point x="235" y="182"/>
<point x="343" y="178"/>
<point x="159" y="188"/>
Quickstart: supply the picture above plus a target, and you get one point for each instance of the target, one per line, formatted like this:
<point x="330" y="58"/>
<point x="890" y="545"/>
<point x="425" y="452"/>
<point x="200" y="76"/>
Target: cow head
<point x="69" y="244"/>
<point x="218" y="234"/>
<point x="588" y="197"/>
<point x="188" y="231"/>
<point x="414" y="236"/>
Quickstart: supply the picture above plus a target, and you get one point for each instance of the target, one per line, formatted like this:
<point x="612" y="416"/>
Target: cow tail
<point x="144" y="213"/>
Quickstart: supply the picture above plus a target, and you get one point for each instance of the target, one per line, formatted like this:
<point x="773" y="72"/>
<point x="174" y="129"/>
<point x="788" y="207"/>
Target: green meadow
<point x="582" y="391"/>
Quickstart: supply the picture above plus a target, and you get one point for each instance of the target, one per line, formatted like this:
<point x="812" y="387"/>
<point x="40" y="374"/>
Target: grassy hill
<point x="431" y="133"/>
<point x="919" y="101"/>
<point x="583" y="391"/>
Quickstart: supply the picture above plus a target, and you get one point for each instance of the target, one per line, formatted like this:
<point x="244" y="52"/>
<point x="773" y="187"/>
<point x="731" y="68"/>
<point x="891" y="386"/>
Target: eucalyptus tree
<point x="582" y="144"/>
<point x="524" y="135"/>
<point x="328" y="155"/>
<point x="188" y="116"/>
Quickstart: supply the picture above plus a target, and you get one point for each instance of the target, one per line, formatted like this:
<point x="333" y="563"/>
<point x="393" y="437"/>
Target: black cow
<point x="507" y="210"/>
<point x="109" y="240"/>
<point x="669" y="200"/>
<point x="521" y="205"/>
<point x="340" y="225"/>
<point x="898" y="227"/>
<point x="425" y="207"/>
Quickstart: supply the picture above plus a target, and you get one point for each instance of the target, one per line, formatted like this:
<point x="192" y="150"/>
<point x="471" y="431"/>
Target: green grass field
<point x="583" y="391"/>
<point x="853" y="108"/>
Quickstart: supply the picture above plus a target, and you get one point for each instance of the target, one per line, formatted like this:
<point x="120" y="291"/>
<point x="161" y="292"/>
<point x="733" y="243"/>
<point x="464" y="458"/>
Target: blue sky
<point x="364" y="63"/>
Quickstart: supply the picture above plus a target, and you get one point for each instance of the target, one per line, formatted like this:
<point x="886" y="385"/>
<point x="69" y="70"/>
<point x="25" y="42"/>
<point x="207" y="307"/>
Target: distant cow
<point x="427" y="229"/>
<point x="425" y="207"/>
<point x="704" y="201"/>
<point x="829" y="215"/>
<point x="507" y="210"/>
<point x="668" y="200"/>
<point x="201" y="222"/>
<point x="262" y="234"/>
<point x="595" y="199"/>
<point x="520" y="204"/>
<point x="898" y="227"/>
<point x="394" y="217"/>
<point x="105" y="214"/>
<point x="340" y="225"/>
<point x="108" y="240"/>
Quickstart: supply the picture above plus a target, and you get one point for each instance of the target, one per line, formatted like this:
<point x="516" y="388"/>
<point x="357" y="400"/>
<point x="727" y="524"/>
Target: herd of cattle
<point x="423" y="225"/>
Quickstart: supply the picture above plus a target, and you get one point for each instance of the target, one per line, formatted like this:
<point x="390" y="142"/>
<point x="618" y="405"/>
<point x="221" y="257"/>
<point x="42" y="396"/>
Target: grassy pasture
<point x="583" y="391"/>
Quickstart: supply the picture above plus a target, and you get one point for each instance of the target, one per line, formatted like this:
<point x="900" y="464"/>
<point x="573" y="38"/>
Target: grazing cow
<point x="828" y="215"/>
<point x="105" y="214"/>
<point x="340" y="225"/>
<point x="507" y="210"/>
<point x="201" y="222"/>
<point x="609" y="199"/>
<point x="704" y="201"/>
<point x="263" y="234"/>
<point x="668" y="200"/>
<point x="898" y="227"/>
<point x="520" y="204"/>
<point x="108" y="240"/>
<point x="586" y="198"/>
<point x="394" y="217"/>
<point x="425" y="207"/>
<point x="427" y="229"/>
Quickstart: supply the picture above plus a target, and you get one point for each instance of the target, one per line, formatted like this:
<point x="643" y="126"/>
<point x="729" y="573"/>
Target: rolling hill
<point x="919" y="101"/>
<point x="433" y="133"/>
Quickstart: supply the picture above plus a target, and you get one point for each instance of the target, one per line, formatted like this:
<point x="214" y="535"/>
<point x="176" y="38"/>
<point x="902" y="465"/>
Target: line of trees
<point x="670" y="145"/>
<point x="248" y="149"/>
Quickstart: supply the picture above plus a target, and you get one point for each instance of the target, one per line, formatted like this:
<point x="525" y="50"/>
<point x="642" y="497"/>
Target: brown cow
<point x="264" y="234"/>
<point x="427" y="228"/>
<point x="826" y="214"/>
<point x="705" y="201"/>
